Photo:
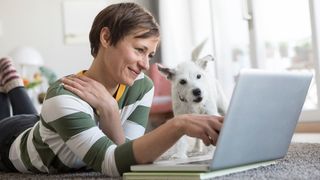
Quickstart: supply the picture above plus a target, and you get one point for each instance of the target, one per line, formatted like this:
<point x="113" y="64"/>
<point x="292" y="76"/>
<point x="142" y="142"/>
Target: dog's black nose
<point x="196" y="92"/>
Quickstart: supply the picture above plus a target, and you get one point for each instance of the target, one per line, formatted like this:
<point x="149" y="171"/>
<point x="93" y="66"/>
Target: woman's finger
<point x="215" y="125"/>
<point x="79" y="81"/>
<point x="213" y="140"/>
<point x="205" y="139"/>
<point x="71" y="82"/>
<point x="213" y="137"/>
<point x="221" y="119"/>
<point x="74" y="90"/>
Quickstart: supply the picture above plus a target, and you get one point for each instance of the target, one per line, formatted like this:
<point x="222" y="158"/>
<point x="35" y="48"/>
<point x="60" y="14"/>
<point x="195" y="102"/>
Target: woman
<point x="96" y="118"/>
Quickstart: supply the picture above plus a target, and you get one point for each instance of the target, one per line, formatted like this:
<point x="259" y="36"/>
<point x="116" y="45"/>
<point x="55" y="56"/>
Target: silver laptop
<point x="258" y="127"/>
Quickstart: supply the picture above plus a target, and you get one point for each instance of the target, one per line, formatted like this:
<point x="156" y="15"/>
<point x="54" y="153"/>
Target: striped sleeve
<point x="135" y="110"/>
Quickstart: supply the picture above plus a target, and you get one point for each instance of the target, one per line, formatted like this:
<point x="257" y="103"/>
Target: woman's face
<point x="126" y="60"/>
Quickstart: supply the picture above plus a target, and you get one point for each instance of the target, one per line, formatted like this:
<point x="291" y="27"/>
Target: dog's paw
<point x="179" y="156"/>
<point x="196" y="149"/>
<point x="198" y="146"/>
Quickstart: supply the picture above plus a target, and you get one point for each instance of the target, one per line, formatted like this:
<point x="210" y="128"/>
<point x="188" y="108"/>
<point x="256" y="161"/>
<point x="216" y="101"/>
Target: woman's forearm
<point x="150" y="146"/>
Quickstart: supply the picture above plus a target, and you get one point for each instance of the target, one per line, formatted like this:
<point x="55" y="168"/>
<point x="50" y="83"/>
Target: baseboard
<point x="308" y="127"/>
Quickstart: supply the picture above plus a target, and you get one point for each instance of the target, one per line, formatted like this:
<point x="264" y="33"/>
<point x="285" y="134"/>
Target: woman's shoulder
<point x="57" y="89"/>
<point x="143" y="81"/>
<point x="58" y="99"/>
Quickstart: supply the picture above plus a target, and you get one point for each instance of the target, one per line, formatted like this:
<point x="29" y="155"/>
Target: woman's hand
<point x="98" y="97"/>
<point x="204" y="127"/>
<point x="89" y="90"/>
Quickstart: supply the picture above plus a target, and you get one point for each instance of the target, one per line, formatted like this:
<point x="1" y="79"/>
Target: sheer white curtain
<point x="184" y="24"/>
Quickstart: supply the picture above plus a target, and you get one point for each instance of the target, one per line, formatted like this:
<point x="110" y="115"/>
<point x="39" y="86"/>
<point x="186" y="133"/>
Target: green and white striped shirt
<point x="68" y="138"/>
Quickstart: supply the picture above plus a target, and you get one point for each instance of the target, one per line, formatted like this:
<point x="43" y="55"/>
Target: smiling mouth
<point x="135" y="72"/>
<point x="199" y="99"/>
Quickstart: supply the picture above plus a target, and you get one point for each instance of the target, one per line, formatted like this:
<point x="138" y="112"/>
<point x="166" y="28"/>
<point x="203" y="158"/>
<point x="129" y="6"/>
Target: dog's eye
<point x="198" y="76"/>
<point x="182" y="81"/>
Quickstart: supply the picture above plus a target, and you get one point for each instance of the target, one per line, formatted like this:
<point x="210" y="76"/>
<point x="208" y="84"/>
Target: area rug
<point x="301" y="162"/>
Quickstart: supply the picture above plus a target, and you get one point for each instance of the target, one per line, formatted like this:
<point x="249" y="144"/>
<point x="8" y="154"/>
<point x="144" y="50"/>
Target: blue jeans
<point x="24" y="116"/>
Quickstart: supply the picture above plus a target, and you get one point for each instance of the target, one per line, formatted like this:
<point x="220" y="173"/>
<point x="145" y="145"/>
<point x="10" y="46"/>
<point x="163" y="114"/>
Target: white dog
<point x="194" y="91"/>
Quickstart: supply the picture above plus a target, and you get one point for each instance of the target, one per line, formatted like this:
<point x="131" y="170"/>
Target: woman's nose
<point x="144" y="63"/>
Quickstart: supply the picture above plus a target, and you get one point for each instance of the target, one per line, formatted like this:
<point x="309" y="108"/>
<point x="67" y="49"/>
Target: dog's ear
<point x="167" y="72"/>
<point x="203" y="62"/>
<point x="196" y="51"/>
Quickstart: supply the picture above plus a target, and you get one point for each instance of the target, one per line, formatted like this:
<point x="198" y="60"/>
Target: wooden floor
<point x="308" y="127"/>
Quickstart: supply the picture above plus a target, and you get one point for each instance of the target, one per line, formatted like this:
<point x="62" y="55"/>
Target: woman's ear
<point x="105" y="37"/>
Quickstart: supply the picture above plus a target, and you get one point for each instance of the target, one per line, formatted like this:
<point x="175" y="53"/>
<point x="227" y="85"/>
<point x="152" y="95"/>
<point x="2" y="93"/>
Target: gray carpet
<point x="301" y="162"/>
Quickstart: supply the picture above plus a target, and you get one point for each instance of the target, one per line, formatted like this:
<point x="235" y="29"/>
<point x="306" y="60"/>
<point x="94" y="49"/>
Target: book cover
<point x="191" y="175"/>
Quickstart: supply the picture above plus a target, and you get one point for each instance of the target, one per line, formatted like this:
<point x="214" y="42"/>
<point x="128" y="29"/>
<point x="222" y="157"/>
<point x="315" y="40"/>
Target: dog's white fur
<point x="194" y="91"/>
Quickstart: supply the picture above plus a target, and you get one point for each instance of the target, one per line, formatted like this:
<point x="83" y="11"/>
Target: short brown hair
<point x="121" y="19"/>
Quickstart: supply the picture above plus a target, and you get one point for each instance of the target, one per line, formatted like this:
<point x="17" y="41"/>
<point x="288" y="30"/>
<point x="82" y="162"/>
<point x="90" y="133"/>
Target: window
<point x="273" y="35"/>
<point x="286" y="39"/>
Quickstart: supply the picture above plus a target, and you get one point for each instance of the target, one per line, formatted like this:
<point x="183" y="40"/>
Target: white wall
<point x="39" y="23"/>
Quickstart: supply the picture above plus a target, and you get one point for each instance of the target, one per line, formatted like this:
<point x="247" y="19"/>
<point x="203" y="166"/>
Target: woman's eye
<point x="140" y="50"/>
<point x="182" y="81"/>
<point x="198" y="76"/>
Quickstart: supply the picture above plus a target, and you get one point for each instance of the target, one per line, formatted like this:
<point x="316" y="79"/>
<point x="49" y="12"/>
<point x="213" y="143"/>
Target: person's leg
<point x="4" y="104"/>
<point x="10" y="129"/>
<point x="12" y="84"/>
<point x="12" y="88"/>
<point x="4" y="101"/>
<point x="21" y="102"/>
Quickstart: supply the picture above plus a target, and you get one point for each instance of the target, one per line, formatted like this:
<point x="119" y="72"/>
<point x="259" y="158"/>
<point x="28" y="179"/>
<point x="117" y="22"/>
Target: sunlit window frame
<point x="314" y="115"/>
